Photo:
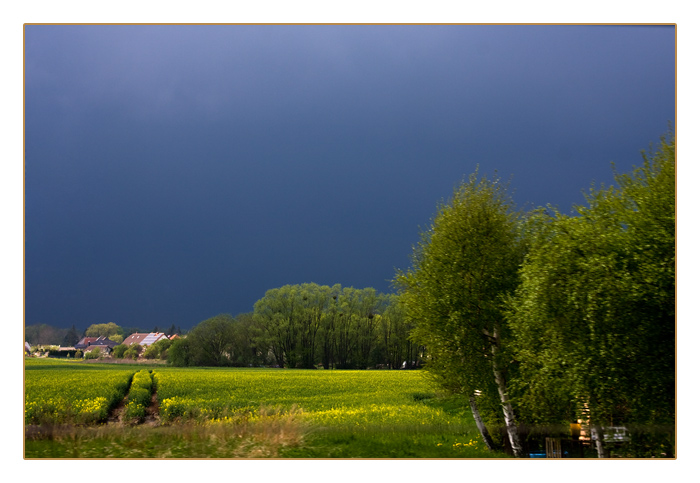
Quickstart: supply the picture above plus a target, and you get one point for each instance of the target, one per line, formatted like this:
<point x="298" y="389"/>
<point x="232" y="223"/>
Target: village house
<point x="88" y="343"/>
<point x="144" y="339"/>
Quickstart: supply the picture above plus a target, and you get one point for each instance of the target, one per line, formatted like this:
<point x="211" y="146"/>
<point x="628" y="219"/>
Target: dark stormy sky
<point x="176" y="172"/>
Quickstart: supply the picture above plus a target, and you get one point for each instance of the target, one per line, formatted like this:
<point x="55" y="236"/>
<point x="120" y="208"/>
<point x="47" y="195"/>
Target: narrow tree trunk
<point x="480" y="424"/>
<point x="508" y="414"/>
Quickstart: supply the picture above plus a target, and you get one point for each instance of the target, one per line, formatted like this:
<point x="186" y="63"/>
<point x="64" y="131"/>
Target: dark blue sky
<point x="177" y="172"/>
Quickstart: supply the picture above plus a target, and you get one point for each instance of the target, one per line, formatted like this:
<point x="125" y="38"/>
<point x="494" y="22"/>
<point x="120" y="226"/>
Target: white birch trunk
<point x="480" y="424"/>
<point x="508" y="414"/>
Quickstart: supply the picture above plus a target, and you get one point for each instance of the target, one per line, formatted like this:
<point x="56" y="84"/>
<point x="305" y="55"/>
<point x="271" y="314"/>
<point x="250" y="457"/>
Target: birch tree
<point x="594" y="318"/>
<point x="464" y="265"/>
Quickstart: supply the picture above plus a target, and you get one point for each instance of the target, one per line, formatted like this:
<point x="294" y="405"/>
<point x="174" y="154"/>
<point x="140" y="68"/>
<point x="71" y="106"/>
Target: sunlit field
<point x="59" y="393"/>
<point x="78" y="410"/>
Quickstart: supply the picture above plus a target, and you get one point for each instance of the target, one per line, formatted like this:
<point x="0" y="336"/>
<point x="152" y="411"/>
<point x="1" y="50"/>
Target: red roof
<point x="144" y="339"/>
<point x="135" y="338"/>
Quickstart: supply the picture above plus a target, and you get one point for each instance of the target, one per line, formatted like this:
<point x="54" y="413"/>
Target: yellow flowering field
<point x="60" y="392"/>
<point x="237" y="412"/>
<point x="327" y="398"/>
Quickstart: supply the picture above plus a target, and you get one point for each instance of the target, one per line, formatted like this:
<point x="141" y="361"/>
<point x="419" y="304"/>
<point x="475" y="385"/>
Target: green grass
<point x="254" y="413"/>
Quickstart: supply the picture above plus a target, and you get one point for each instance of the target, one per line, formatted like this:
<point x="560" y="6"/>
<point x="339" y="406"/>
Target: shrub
<point x="179" y="353"/>
<point x="151" y="352"/>
<point x="119" y="350"/>
<point x="132" y="352"/>
<point x="94" y="353"/>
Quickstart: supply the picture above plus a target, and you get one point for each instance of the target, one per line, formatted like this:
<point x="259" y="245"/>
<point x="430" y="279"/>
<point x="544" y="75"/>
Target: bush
<point x="157" y="350"/>
<point x="132" y="352"/>
<point x="95" y="353"/>
<point x="151" y="352"/>
<point x="179" y="353"/>
<point x="119" y="350"/>
<point x="163" y="345"/>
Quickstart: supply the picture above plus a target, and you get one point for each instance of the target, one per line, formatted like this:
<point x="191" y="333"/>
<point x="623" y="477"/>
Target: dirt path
<point x="152" y="412"/>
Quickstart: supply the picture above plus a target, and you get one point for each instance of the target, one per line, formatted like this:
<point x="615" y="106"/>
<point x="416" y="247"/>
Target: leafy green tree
<point x="133" y="351"/>
<point x="275" y="313"/>
<point x="44" y="334"/>
<point x="157" y="349"/>
<point x="329" y="323"/>
<point x="212" y="341"/>
<point x="118" y="351"/>
<point x="163" y="345"/>
<point x="463" y="267"/>
<point x="312" y="304"/>
<point x="291" y="318"/>
<point x="249" y="352"/>
<point x="304" y="325"/>
<point x="151" y="352"/>
<point x="118" y="338"/>
<point x="345" y="336"/>
<point x="366" y="323"/>
<point x="179" y="353"/>
<point x="102" y="330"/>
<point x="394" y="347"/>
<point x="594" y="317"/>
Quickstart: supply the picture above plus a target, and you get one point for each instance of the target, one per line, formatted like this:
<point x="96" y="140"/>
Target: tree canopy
<point x="594" y="315"/>
<point x="103" y="330"/>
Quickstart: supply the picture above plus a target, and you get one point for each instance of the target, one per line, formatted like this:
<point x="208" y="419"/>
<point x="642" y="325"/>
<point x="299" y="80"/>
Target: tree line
<point x="541" y="319"/>
<point x="306" y="326"/>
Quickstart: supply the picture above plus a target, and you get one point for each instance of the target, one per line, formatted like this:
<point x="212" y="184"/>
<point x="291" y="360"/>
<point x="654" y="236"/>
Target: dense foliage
<point x="557" y="318"/>
<point x="305" y="326"/>
<point x="594" y="316"/>
<point x="346" y="328"/>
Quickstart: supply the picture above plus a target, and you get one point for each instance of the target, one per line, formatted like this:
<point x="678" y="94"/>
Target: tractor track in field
<point x="152" y="418"/>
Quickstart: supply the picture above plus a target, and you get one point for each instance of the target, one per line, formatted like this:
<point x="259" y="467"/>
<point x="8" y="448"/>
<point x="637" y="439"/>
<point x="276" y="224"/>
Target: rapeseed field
<point x="240" y="413"/>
